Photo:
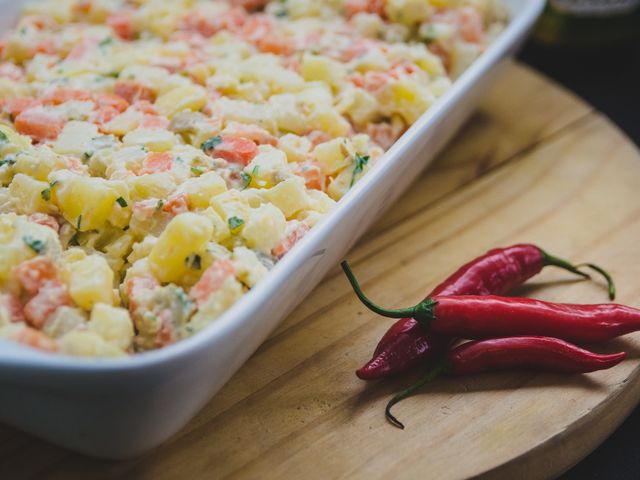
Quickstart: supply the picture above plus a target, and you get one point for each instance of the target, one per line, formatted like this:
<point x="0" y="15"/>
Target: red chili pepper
<point x="498" y="271"/>
<point x="488" y="316"/>
<point x="541" y="354"/>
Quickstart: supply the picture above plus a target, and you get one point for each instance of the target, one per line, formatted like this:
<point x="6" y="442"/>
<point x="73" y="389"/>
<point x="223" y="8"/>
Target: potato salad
<point x="157" y="157"/>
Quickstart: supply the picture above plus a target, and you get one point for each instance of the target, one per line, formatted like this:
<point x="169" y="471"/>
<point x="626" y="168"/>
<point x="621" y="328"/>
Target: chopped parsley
<point x="3" y="138"/>
<point x="122" y="202"/>
<point x="361" y="162"/>
<point x="79" y="222"/>
<point x="160" y="204"/>
<point x="9" y="160"/>
<point x="211" y="143"/>
<point x="235" y="223"/>
<point x="46" y="193"/>
<point x="197" y="171"/>
<point x="33" y="243"/>
<point x="106" y="41"/>
<point x="281" y="13"/>
<point x="194" y="261"/>
<point x="248" y="177"/>
<point x="87" y="155"/>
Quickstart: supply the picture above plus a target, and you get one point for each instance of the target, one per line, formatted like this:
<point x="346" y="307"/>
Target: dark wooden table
<point x="609" y="79"/>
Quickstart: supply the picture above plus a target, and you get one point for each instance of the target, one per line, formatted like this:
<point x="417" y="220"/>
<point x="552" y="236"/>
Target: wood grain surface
<point x="534" y="164"/>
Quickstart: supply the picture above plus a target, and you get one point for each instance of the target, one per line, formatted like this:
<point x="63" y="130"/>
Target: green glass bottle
<point x="588" y="23"/>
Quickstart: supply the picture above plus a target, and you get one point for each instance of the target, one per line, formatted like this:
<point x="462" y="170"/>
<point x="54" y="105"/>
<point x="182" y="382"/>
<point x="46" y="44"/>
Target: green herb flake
<point x="361" y="162"/>
<point x="246" y="178"/>
<point x="197" y="171"/>
<point x="33" y="243"/>
<point x="105" y="42"/>
<point x="282" y="13"/>
<point x="46" y="193"/>
<point x="160" y="204"/>
<point x="3" y="138"/>
<point x="79" y="222"/>
<point x="122" y="202"/>
<point x="211" y="143"/>
<point x="194" y="261"/>
<point x="8" y="161"/>
<point x="235" y="223"/>
<point x="87" y="156"/>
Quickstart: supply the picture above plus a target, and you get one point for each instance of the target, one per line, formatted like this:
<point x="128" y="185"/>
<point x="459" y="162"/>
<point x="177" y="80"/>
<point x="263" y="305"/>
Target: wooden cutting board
<point x="534" y="164"/>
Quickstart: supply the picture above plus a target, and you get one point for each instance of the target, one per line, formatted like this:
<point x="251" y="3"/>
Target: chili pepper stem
<point x="436" y="371"/>
<point x="559" y="262"/>
<point x="422" y="312"/>
<point x="611" y="286"/>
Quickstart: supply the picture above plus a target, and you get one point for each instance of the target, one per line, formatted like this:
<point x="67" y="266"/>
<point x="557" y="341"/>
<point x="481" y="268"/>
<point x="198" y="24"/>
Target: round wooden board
<point x="534" y="164"/>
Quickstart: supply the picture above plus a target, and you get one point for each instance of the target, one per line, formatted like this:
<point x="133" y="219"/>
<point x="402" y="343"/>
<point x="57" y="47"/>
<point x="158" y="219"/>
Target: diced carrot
<point x="36" y="339"/>
<point x="104" y="115"/>
<point x="15" y="106"/>
<point x="154" y="121"/>
<point x="276" y="44"/>
<point x="312" y="174"/>
<point x="235" y="150"/>
<point x="295" y="231"/>
<point x="44" y="219"/>
<point x="145" y="106"/>
<point x="471" y="25"/>
<point x="253" y="132"/>
<point x="250" y="5"/>
<point x="383" y="134"/>
<point x="11" y="71"/>
<point x="81" y="49"/>
<point x="156" y="162"/>
<point x="121" y="24"/>
<point x="111" y="100"/>
<point x="207" y="26"/>
<point x="176" y="204"/>
<point x="13" y="307"/>
<point x="166" y="334"/>
<point x="316" y="137"/>
<point x="133" y="91"/>
<point x="39" y="124"/>
<point x="353" y="7"/>
<point x="211" y="280"/>
<point x="52" y="295"/>
<point x="63" y="95"/>
<point x="32" y="274"/>
<point x="137" y="289"/>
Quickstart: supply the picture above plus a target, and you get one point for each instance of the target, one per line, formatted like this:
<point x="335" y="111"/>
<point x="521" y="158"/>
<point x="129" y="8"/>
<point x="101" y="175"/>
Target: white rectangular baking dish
<point x="121" y="408"/>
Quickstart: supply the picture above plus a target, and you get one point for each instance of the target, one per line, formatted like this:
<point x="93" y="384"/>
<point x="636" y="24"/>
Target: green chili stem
<point x="559" y="262"/>
<point x="439" y="368"/>
<point x="423" y="311"/>
<point x="611" y="286"/>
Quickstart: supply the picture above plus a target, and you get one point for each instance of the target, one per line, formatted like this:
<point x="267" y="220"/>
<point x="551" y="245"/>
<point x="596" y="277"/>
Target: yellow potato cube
<point x="264" y="228"/>
<point x="333" y="155"/>
<point x="28" y="196"/>
<point x="153" y="139"/>
<point x="151" y="185"/>
<point x="188" y="97"/>
<point x="113" y="324"/>
<point x="85" y="343"/>
<point x="75" y="138"/>
<point x="289" y="196"/>
<point x="220" y="227"/>
<point x="90" y="280"/>
<point x="321" y="68"/>
<point x="185" y="234"/>
<point x="88" y="202"/>
<point x="231" y="204"/>
<point x="200" y="190"/>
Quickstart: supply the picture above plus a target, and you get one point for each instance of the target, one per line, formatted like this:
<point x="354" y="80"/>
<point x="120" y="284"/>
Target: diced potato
<point x="200" y="190"/>
<point x="333" y="155"/>
<point x="75" y="139"/>
<point x="297" y="148"/>
<point x="410" y="99"/>
<point x="28" y="196"/>
<point x="407" y="12"/>
<point x="289" y="196"/>
<point x="153" y="139"/>
<point x="86" y="343"/>
<point x="89" y="278"/>
<point x="87" y="202"/>
<point x="268" y="167"/>
<point x="151" y="185"/>
<point x="322" y="68"/>
<point x="264" y="228"/>
<point x="63" y="320"/>
<point x="220" y="226"/>
<point x="113" y="324"/>
<point x="188" y="97"/>
<point x="248" y="267"/>
<point x="186" y="233"/>
<point x="231" y="204"/>
<point x="17" y="236"/>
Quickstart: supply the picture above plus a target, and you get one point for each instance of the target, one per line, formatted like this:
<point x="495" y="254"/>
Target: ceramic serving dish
<point x="118" y="408"/>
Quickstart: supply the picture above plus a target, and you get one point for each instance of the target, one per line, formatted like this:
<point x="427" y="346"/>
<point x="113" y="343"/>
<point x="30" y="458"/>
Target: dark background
<point x="609" y="79"/>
